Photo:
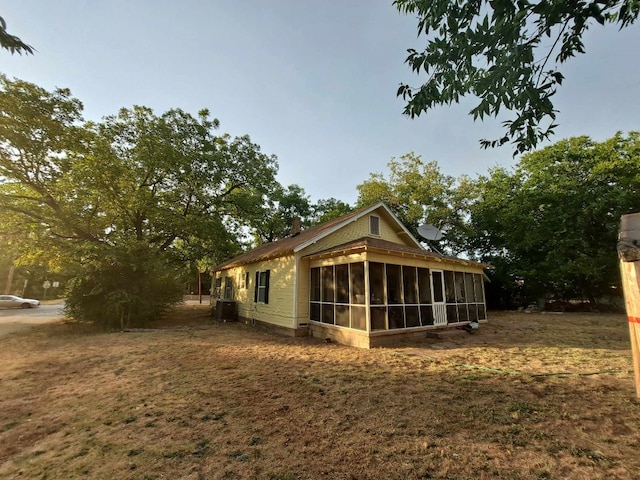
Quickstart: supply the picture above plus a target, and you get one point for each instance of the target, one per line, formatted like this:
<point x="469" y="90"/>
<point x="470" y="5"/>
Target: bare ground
<point x="527" y="397"/>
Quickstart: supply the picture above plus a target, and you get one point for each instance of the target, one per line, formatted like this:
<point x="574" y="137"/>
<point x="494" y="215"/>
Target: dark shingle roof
<point x="287" y="245"/>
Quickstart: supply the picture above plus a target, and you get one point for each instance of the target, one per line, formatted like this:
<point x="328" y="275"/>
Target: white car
<point x="15" y="302"/>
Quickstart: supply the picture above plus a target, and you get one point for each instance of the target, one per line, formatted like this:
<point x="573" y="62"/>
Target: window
<point x="342" y="283"/>
<point x="315" y="285"/>
<point x="412" y="316"/>
<point x="459" y="286"/>
<point x="394" y="284"/>
<point x="261" y="292"/>
<point x="357" y="283"/>
<point x="409" y="284"/>
<point x="376" y="283"/>
<point x="424" y="286"/>
<point x="378" y="318"/>
<point x="477" y="288"/>
<point x="396" y="316"/>
<point x="244" y="282"/>
<point x="465" y="298"/>
<point x="218" y="288"/>
<point x="342" y="315"/>
<point x="437" y="286"/>
<point x="449" y="287"/>
<point x="228" y="288"/>
<point x="374" y="225"/>
<point x="468" y="288"/>
<point x="327" y="284"/>
<point x="332" y="293"/>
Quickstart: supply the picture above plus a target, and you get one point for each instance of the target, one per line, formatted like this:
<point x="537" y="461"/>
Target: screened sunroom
<point x="387" y="296"/>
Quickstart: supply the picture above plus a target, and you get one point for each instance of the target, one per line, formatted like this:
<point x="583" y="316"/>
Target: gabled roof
<point x="309" y="236"/>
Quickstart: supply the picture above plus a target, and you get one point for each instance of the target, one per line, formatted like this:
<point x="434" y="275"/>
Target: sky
<point x="313" y="83"/>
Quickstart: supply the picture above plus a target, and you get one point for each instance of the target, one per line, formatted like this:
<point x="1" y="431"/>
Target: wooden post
<point x="629" y="253"/>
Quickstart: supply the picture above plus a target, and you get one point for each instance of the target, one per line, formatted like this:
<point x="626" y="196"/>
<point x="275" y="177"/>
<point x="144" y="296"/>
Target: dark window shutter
<point x="255" y="288"/>
<point x="266" y="287"/>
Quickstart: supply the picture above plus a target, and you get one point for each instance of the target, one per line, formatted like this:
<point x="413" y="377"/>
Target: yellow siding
<point x="389" y="231"/>
<point x="279" y="310"/>
<point x="352" y="258"/>
<point x="303" y="292"/>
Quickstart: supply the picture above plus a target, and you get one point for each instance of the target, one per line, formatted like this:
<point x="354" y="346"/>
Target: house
<point x="361" y="279"/>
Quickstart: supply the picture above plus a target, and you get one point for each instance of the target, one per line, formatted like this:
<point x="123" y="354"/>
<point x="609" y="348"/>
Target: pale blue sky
<point x="312" y="82"/>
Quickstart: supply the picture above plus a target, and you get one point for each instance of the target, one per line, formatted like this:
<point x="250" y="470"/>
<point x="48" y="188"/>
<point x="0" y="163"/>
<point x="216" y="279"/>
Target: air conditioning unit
<point x="226" y="311"/>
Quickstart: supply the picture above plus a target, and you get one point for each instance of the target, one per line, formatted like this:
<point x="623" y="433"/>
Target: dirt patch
<point x="527" y="397"/>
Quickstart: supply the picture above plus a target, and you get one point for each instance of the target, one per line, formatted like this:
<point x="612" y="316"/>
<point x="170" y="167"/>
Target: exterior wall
<point x="343" y="336"/>
<point x="279" y="310"/>
<point x="361" y="339"/>
<point x="239" y="294"/>
<point x="302" y="301"/>
<point x="272" y="328"/>
<point x="391" y="338"/>
<point x="359" y="229"/>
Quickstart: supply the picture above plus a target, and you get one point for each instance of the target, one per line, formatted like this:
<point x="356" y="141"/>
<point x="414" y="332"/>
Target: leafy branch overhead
<point x="11" y="42"/>
<point x="504" y="52"/>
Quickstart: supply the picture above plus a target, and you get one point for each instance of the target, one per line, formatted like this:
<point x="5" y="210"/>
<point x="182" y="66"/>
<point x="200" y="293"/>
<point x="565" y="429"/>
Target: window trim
<point x="244" y="280"/>
<point x="218" y="287"/>
<point x="262" y="286"/>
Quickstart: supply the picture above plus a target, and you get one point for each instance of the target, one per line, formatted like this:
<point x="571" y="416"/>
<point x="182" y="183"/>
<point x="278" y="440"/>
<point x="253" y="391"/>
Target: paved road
<point x="17" y="319"/>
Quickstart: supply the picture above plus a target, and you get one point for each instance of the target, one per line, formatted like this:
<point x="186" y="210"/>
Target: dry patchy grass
<point x="527" y="397"/>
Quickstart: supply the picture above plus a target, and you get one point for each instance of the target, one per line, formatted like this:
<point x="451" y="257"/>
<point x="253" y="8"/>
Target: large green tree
<point x="126" y="201"/>
<point x="554" y="219"/>
<point x="286" y="206"/>
<point x="506" y="53"/>
<point x="328" y="209"/>
<point x="275" y="218"/>
<point x="418" y="193"/>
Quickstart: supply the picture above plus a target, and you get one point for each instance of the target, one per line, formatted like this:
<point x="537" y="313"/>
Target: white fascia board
<point x="405" y="229"/>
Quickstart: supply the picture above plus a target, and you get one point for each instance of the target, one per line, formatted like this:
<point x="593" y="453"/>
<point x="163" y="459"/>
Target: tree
<point x="284" y="205"/>
<point x="124" y="203"/>
<point x="328" y="209"/>
<point x="497" y="51"/>
<point x="418" y="193"/>
<point x="11" y="42"/>
<point x="554" y="220"/>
